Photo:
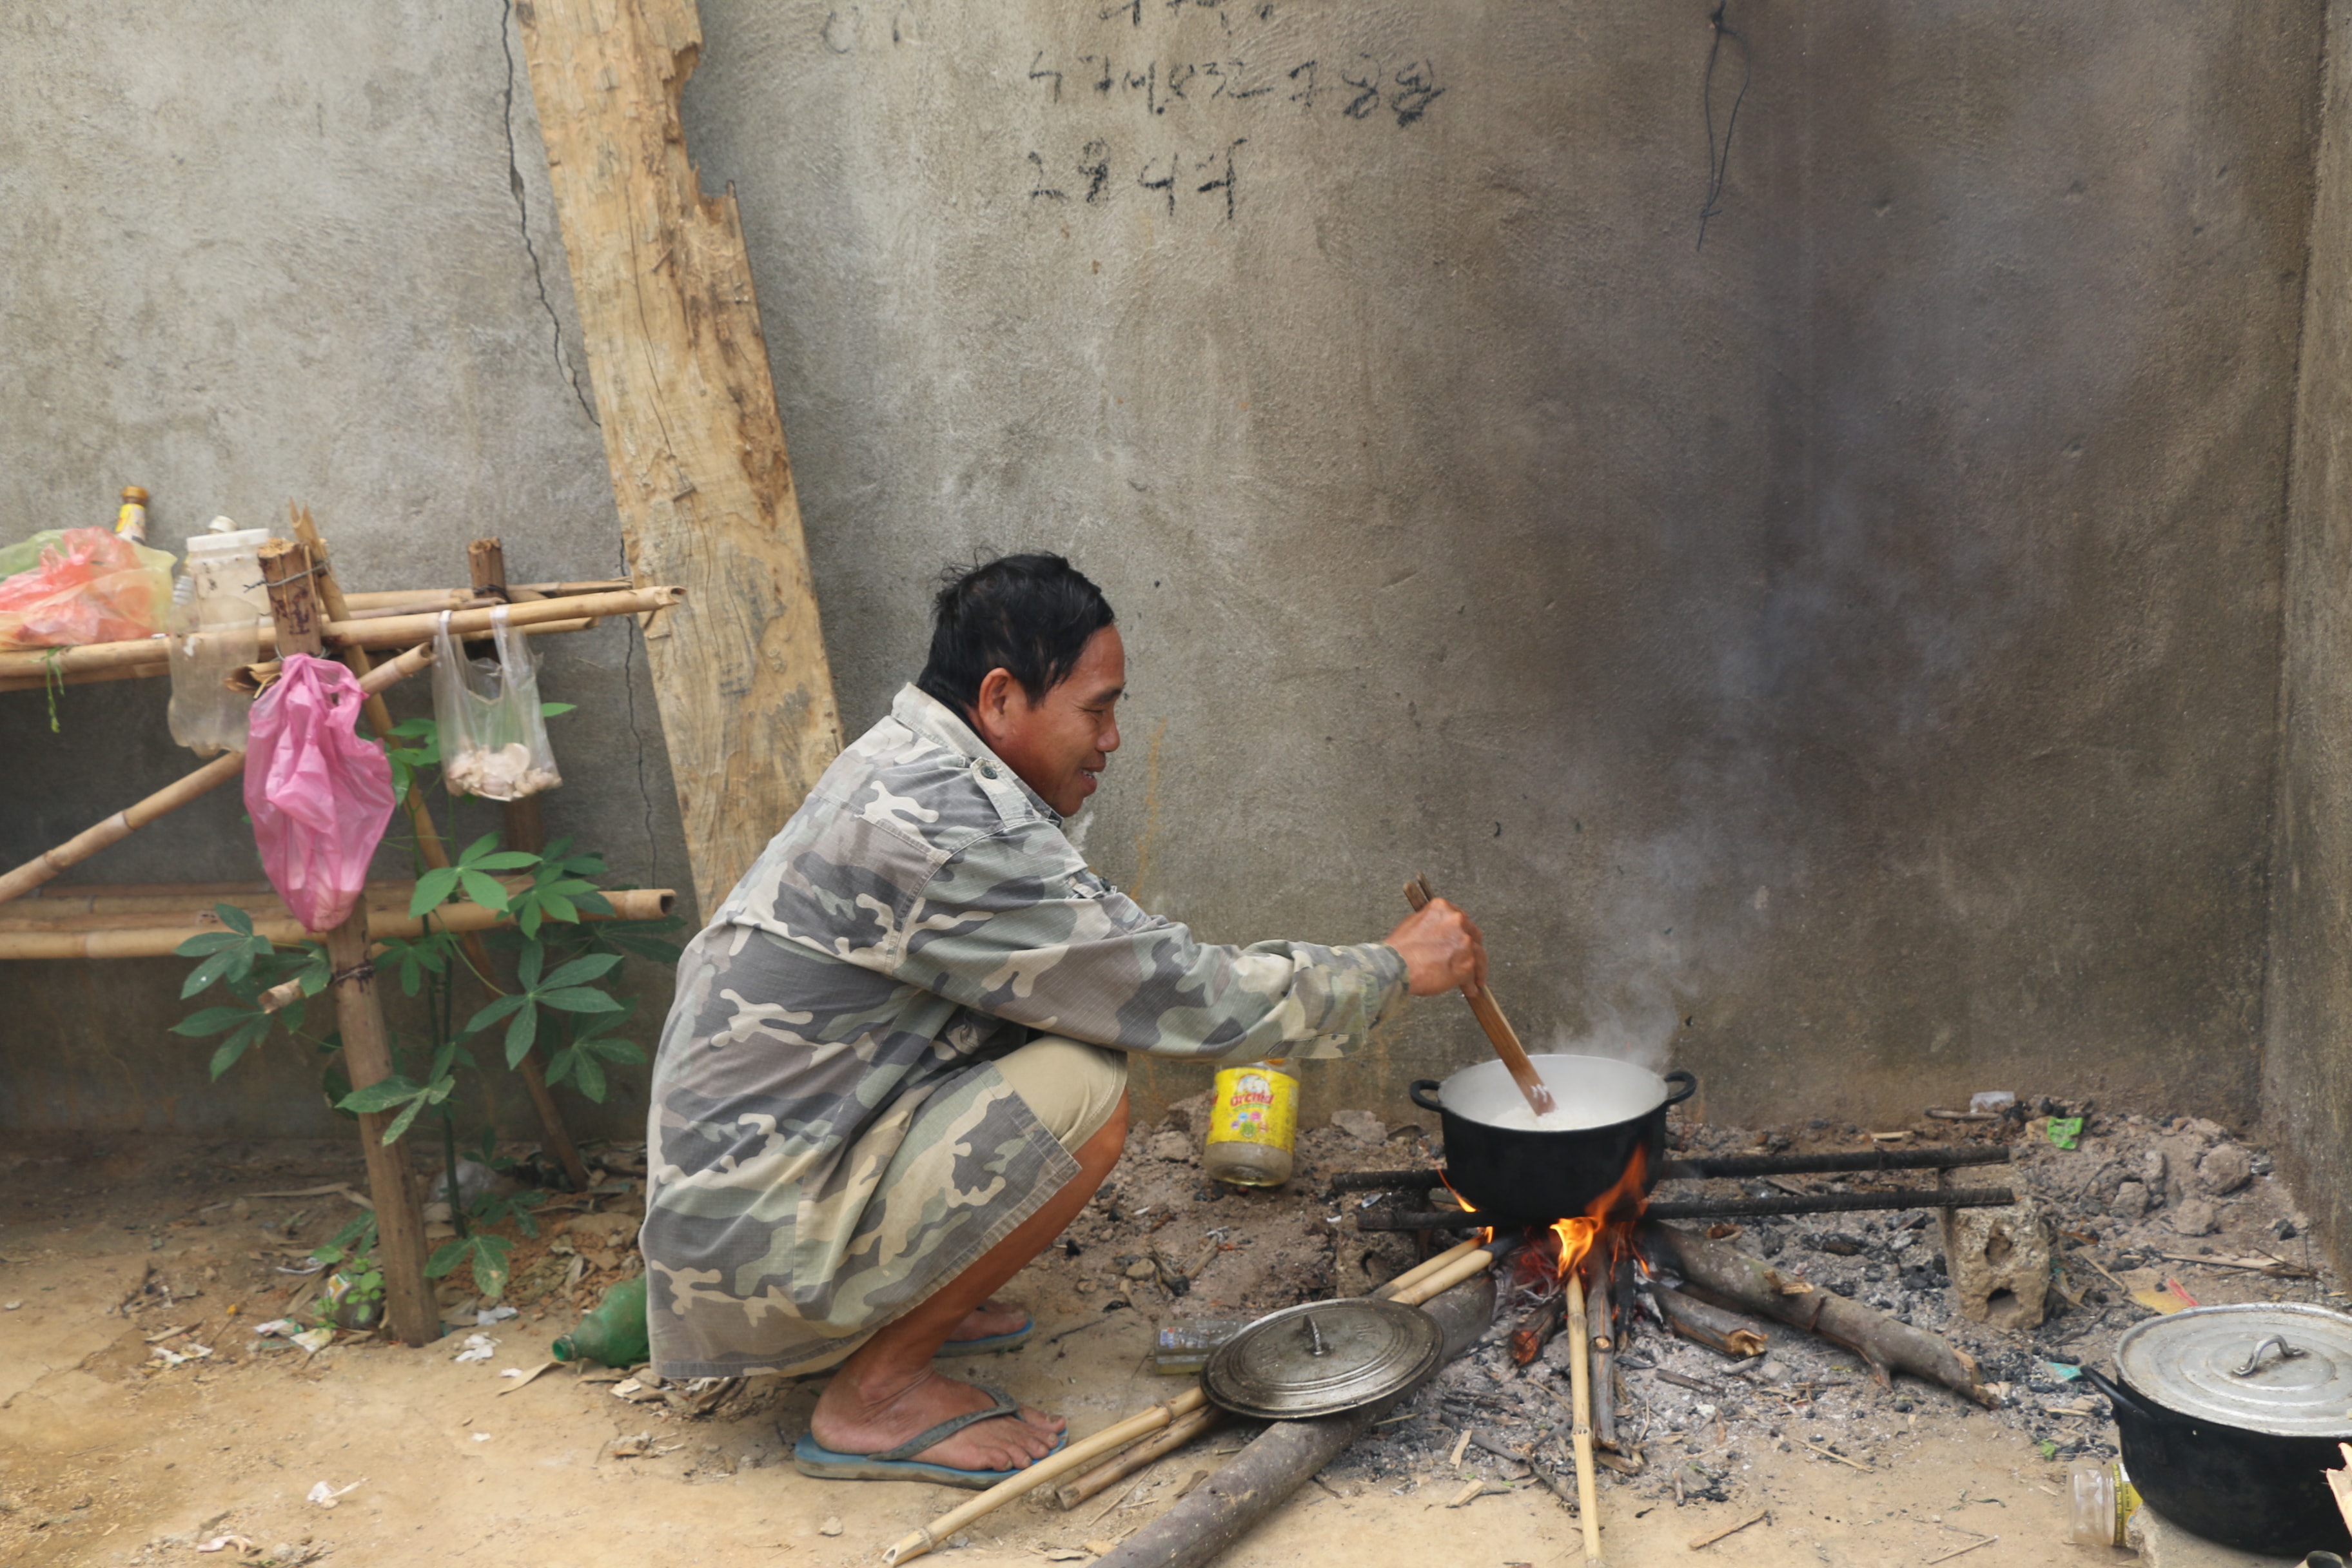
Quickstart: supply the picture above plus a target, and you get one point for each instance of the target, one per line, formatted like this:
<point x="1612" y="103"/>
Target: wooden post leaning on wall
<point x="410" y="1309"/>
<point x="692" y="434"/>
<point x="434" y="852"/>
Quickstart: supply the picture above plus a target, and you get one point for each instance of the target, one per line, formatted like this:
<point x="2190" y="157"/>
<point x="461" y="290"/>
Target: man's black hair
<point x="1030" y="615"/>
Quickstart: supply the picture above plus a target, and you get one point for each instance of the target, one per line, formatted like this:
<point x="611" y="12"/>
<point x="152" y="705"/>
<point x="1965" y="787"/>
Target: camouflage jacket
<point x="830" y="1141"/>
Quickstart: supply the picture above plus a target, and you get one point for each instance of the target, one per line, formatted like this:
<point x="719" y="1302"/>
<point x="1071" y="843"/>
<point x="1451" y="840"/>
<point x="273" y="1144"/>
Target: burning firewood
<point x="1886" y="1344"/>
<point x="1717" y="1330"/>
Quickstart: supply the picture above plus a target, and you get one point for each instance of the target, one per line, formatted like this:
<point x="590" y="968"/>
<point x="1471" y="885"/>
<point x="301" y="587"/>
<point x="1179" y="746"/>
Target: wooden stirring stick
<point x="1498" y="1029"/>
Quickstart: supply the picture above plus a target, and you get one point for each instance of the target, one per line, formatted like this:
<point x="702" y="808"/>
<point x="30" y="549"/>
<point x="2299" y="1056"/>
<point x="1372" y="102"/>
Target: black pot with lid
<point x="2228" y="1419"/>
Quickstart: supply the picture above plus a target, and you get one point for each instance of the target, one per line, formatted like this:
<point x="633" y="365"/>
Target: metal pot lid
<point x="2280" y="1370"/>
<point x="1322" y="1358"/>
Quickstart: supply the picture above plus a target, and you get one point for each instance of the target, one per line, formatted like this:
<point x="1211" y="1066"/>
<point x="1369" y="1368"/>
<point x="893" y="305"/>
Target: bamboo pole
<point x="397" y="631"/>
<point x="172" y="796"/>
<point x="1588" y="1499"/>
<point x="409" y="1307"/>
<point x="35" y="665"/>
<point x="435" y="853"/>
<point x="159" y="941"/>
<point x="422" y="599"/>
<point x="253" y="677"/>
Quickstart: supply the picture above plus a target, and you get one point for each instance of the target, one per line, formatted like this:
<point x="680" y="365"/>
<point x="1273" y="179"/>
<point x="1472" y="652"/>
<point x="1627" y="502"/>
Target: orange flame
<point x="1620" y="1206"/>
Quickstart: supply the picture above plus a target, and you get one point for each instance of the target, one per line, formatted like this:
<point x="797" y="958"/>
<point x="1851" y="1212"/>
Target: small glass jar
<point x="1253" y="1124"/>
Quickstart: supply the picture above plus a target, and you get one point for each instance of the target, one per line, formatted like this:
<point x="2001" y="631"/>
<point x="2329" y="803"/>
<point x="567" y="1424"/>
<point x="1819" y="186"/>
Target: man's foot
<point x="989" y="1319"/>
<point x="874" y="1422"/>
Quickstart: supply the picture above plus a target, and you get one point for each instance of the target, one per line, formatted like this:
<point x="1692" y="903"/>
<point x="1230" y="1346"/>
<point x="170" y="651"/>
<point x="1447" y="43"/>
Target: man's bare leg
<point x="888" y="1392"/>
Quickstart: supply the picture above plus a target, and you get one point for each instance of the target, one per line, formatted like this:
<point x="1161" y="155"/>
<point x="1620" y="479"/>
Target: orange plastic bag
<point x="89" y="586"/>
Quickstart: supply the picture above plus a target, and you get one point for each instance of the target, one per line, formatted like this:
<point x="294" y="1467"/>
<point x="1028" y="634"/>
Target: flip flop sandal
<point x="811" y="1458"/>
<point x="1005" y="1342"/>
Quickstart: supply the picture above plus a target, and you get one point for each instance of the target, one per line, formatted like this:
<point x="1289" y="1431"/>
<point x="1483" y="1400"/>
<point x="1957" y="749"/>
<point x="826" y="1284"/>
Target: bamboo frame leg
<point x="410" y="1308"/>
<point x="434" y="852"/>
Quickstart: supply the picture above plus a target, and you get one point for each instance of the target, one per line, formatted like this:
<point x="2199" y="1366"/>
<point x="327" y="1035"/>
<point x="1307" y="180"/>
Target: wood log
<point x="1222" y="1508"/>
<point x="23" y="879"/>
<point x="1535" y="1328"/>
<point x="692" y="435"/>
<point x="158" y="941"/>
<point x="409" y="1311"/>
<point x="1598" y="1267"/>
<point x="1886" y="1345"/>
<point x="1726" y="1332"/>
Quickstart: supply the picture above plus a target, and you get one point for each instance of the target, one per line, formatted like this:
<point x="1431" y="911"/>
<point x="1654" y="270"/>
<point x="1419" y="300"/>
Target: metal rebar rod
<point x="1723" y="1209"/>
<point x="1946" y="1158"/>
<point x="1941" y="1159"/>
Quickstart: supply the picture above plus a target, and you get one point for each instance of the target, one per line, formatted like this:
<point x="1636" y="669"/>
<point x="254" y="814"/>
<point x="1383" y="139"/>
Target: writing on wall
<point x="1170" y="121"/>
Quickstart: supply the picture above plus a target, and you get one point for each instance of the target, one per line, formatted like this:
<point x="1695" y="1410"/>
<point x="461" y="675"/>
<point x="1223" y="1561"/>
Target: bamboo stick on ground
<point x="1120" y="1433"/>
<point x="172" y="796"/>
<point x="1103" y="1476"/>
<point x="1711" y="1326"/>
<point x="1886" y="1344"/>
<point x="1218" y="1512"/>
<point x="1117" y="1469"/>
<point x="1579" y="1372"/>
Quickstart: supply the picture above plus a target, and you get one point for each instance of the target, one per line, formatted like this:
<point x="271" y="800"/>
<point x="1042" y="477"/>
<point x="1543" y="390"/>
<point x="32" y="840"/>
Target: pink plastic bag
<point x="318" y="795"/>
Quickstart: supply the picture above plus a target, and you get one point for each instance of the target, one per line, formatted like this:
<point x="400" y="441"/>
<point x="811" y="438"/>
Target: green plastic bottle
<point x="614" y="1334"/>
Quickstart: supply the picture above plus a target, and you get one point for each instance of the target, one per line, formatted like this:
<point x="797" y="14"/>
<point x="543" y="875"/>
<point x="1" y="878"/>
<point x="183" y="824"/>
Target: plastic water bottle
<point x="614" y="1334"/>
<point x="2101" y="1502"/>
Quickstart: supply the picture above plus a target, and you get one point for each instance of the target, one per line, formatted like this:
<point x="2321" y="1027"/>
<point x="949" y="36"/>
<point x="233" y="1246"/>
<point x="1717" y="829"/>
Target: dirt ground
<point x="108" y="1455"/>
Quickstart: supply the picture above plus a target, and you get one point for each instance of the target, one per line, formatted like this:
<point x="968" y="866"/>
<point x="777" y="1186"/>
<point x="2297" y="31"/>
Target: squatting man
<point x="896" y="1067"/>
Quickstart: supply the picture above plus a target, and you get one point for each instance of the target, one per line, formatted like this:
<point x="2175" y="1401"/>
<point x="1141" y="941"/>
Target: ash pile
<point x="2116" y="1218"/>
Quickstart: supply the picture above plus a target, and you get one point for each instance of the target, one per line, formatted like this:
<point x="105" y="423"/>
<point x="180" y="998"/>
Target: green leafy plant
<point x="566" y="963"/>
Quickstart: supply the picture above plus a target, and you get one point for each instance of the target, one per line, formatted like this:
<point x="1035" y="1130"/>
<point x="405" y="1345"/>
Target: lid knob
<point x="2269" y="1341"/>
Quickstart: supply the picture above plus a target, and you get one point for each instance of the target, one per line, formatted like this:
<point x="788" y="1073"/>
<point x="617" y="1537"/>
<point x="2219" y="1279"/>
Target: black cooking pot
<point x="1504" y="1163"/>
<point x="2227" y="1418"/>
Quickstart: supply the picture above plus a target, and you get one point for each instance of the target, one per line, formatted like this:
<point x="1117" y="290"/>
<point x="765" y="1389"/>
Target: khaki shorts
<point x="1070" y="1088"/>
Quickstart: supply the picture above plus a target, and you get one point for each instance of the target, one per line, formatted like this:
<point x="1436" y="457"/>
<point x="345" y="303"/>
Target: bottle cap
<point x="134" y="495"/>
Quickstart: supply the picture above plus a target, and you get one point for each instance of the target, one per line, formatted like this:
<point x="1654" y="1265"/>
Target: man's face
<point x="1061" y="743"/>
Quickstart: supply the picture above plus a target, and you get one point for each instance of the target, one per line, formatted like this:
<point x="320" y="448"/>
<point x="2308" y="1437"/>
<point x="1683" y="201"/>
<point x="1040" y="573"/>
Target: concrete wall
<point x="1843" y="656"/>
<point x="2307" y="1062"/>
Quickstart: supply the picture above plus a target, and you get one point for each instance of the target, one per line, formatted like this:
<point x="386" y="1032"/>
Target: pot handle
<point x="1419" y="1091"/>
<point x="1689" y="1082"/>
<point x="2118" y="1395"/>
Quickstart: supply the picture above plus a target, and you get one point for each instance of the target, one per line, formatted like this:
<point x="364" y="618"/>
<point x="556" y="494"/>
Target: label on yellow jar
<point x="1255" y="1106"/>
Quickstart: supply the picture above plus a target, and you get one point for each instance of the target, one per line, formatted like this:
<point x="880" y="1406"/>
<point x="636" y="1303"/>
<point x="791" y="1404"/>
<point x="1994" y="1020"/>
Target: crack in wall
<point x="522" y="218"/>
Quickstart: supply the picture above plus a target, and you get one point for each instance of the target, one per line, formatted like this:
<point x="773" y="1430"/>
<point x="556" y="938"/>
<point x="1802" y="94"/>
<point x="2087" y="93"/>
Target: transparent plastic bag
<point x="493" y="736"/>
<point x="67" y="587"/>
<point x="205" y="713"/>
<point x="318" y="795"/>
